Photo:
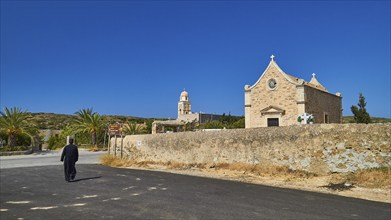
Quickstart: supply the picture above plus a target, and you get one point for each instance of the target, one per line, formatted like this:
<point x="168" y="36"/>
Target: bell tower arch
<point x="184" y="106"/>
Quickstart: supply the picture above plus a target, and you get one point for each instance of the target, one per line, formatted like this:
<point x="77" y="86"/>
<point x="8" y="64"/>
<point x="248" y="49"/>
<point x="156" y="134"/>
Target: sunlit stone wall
<point x="318" y="148"/>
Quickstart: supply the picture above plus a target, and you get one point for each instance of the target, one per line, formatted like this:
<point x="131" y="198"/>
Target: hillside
<point x="51" y="120"/>
<point x="59" y="121"/>
<point x="349" y="119"/>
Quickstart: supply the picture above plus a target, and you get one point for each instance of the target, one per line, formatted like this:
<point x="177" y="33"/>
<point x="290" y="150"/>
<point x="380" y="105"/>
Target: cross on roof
<point x="272" y="57"/>
<point x="313" y="74"/>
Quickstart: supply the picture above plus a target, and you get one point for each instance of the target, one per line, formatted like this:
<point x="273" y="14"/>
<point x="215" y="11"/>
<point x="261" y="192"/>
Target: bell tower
<point x="184" y="106"/>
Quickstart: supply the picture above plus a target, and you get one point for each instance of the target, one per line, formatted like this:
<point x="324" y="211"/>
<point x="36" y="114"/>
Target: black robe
<point x="70" y="155"/>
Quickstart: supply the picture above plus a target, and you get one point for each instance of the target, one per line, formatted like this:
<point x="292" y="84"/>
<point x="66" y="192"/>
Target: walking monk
<point x="71" y="155"/>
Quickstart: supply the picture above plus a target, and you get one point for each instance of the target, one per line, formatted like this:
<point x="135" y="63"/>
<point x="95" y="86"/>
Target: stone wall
<point x="320" y="103"/>
<point x="317" y="148"/>
<point x="189" y="117"/>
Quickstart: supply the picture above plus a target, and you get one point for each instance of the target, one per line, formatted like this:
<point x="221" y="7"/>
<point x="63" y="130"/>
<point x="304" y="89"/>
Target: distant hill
<point x="60" y="121"/>
<point x="350" y="119"/>
<point x="51" y="120"/>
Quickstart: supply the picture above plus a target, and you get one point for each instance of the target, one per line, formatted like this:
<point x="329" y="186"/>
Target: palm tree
<point x="132" y="128"/>
<point x="89" y="122"/>
<point x="13" y="122"/>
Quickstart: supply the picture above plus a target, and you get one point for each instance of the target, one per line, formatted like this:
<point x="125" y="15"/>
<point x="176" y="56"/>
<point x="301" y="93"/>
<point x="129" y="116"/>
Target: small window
<point x="272" y="122"/>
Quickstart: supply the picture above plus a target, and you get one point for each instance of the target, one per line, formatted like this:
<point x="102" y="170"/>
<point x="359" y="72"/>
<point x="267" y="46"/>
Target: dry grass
<point x="115" y="161"/>
<point x="183" y="166"/>
<point x="124" y="162"/>
<point x="375" y="183"/>
<point x="265" y="170"/>
<point x="370" y="178"/>
<point x="270" y="170"/>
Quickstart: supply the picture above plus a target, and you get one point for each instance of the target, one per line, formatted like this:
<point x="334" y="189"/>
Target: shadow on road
<point x="88" y="178"/>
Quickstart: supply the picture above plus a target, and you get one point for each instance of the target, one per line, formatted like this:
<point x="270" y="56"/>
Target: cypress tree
<point x="360" y="113"/>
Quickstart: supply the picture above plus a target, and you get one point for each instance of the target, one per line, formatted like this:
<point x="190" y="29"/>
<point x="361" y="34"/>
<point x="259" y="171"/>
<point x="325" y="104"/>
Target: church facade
<point x="278" y="99"/>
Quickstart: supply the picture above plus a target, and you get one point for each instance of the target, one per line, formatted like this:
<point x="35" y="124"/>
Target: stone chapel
<point x="278" y="99"/>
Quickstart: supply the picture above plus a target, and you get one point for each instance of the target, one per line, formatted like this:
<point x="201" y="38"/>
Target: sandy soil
<point x="313" y="184"/>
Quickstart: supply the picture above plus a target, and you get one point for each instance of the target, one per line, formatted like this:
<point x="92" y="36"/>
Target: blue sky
<point x="135" y="57"/>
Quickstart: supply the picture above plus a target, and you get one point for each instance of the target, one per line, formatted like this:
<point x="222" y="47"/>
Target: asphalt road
<point x="101" y="192"/>
<point x="47" y="158"/>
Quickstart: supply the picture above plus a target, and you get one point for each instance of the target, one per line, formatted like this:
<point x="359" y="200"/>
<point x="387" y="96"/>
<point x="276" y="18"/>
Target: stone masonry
<point x="284" y="97"/>
<point x="317" y="148"/>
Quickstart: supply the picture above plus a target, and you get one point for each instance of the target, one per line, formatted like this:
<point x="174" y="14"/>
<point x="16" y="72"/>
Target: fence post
<point x="115" y="146"/>
<point x="122" y="142"/>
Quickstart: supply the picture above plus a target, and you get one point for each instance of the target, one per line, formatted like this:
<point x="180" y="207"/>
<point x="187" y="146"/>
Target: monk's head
<point x="71" y="141"/>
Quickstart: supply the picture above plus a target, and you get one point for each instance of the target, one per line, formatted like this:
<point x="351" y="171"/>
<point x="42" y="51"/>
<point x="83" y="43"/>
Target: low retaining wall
<point x="317" y="148"/>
